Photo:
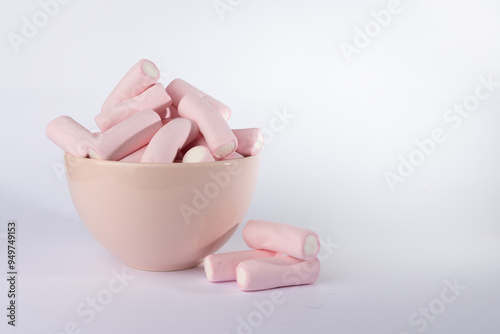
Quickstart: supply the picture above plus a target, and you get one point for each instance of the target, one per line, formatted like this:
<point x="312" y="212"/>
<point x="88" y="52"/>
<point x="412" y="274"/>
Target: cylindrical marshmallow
<point x="232" y="156"/>
<point x="165" y="144"/>
<point x="250" y="141"/>
<point x="199" y="141"/>
<point x="167" y="120"/>
<point x="278" y="271"/>
<point x="69" y="135"/>
<point x="222" y="267"/>
<point x="220" y="139"/>
<point x="126" y="137"/>
<point x="287" y="239"/>
<point x="140" y="77"/>
<point x="135" y="156"/>
<point x="172" y="112"/>
<point x="198" y="154"/>
<point x="179" y="88"/>
<point x="219" y="106"/>
<point x="154" y="98"/>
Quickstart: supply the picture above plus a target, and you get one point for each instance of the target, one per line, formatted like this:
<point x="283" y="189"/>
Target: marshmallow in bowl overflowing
<point x="141" y="121"/>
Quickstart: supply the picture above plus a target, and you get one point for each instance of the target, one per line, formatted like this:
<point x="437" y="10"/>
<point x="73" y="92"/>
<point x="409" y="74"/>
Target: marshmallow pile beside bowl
<point x="141" y="121"/>
<point x="282" y="255"/>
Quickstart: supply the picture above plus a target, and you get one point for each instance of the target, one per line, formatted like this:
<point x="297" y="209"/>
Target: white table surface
<point x="424" y="258"/>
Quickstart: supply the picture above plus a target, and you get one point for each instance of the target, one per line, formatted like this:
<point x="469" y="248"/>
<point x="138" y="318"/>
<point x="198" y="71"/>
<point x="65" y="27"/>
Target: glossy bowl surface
<point x="161" y="217"/>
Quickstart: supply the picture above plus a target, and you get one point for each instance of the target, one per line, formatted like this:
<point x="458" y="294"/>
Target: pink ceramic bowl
<point x="161" y="217"/>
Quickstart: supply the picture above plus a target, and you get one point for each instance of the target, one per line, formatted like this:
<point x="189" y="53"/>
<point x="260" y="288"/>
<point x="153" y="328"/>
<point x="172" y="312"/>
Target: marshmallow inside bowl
<point x="161" y="217"/>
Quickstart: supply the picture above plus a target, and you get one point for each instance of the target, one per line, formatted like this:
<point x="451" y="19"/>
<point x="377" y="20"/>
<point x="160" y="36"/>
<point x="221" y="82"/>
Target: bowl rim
<point x="152" y="164"/>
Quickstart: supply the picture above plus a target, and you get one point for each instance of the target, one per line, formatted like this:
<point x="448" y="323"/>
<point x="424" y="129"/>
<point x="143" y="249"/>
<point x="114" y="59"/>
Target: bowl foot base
<point x="165" y="268"/>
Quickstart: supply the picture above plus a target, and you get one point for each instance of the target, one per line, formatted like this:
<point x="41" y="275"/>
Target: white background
<point x="391" y="252"/>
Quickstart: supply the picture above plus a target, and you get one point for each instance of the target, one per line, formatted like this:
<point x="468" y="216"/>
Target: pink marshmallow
<point x="232" y="156"/>
<point x="291" y="240"/>
<point x="126" y="137"/>
<point x="179" y="88"/>
<point x="135" y="156"/>
<point x="154" y="98"/>
<point x="165" y="145"/>
<point x="199" y="141"/>
<point x="278" y="271"/>
<point x="172" y="112"/>
<point x="222" y="267"/>
<point x="140" y="77"/>
<point x="220" y="139"/>
<point x="69" y="135"/>
<point x="219" y="106"/>
<point x="165" y="121"/>
<point x="250" y="141"/>
<point x="198" y="154"/>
